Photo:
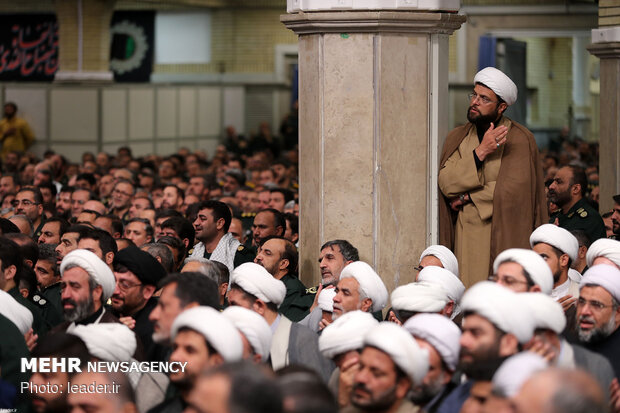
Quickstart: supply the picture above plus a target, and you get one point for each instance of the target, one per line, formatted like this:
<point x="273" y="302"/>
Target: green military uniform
<point x="39" y="324"/>
<point x="584" y="217"/>
<point x="39" y="229"/>
<point x="297" y="303"/>
<point x="243" y="255"/>
<point x="247" y="219"/>
<point x="50" y="302"/>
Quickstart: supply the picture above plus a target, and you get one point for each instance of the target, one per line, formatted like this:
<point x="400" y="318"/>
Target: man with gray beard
<point x="598" y="309"/>
<point x="87" y="284"/>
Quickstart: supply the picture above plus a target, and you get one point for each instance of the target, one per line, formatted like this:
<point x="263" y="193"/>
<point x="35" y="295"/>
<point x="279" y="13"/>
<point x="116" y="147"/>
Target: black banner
<point x="28" y="47"/>
<point x="131" y="54"/>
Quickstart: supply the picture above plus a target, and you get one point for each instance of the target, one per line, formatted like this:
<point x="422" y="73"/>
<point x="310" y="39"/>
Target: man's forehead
<point x="483" y="90"/>
<point x="595" y="292"/>
<point x="334" y="249"/>
<point x="130" y="276"/>
<point x="70" y="235"/>
<point x="276" y="245"/>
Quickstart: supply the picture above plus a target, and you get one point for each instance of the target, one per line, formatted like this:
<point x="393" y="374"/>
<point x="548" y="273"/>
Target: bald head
<point x="566" y="391"/>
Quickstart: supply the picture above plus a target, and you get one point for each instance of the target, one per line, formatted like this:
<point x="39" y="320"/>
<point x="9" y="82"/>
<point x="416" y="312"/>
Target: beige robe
<point x="473" y="225"/>
<point x="513" y="199"/>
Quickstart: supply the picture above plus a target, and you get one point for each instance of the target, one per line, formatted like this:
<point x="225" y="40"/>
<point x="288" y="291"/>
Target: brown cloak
<point x="519" y="201"/>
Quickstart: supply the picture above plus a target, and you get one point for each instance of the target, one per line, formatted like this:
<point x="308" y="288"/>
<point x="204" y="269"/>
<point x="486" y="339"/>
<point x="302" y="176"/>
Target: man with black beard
<point x="615" y="216"/>
<point x="568" y="191"/>
<point x="598" y="312"/>
<point x="491" y="180"/>
<point x="440" y="337"/>
<point x="493" y="330"/>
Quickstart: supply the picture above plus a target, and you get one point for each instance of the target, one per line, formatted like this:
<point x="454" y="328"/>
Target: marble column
<point x="373" y="98"/>
<point x="609" y="141"/>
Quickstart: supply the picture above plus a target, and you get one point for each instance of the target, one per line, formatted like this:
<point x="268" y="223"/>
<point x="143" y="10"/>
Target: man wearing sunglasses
<point x="491" y="180"/>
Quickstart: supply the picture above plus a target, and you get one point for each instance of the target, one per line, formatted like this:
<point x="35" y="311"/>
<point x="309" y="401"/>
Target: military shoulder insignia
<point x="190" y="252"/>
<point x="240" y="248"/>
<point x="311" y="290"/>
<point x="39" y="300"/>
<point x="583" y="214"/>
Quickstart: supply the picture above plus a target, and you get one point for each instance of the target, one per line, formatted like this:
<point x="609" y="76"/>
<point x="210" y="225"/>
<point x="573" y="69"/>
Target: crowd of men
<point x="193" y="261"/>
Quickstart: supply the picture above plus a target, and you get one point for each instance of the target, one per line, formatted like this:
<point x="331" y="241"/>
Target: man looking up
<point x="491" y="180"/>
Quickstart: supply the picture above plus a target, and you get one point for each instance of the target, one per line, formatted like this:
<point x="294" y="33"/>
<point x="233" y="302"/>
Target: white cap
<point x="255" y="280"/>
<point x="253" y="327"/>
<point x="218" y="330"/>
<point x="326" y="299"/>
<point x="346" y="333"/>
<point x="502" y="308"/>
<point x="370" y="283"/>
<point x="557" y="237"/>
<point x="531" y="262"/>
<point x="604" y="247"/>
<point x="443" y="254"/>
<point x="421" y="297"/>
<point x="448" y="281"/>
<point x="404" y="351"/>
<point x="440" y="332"/>
<point x="603" y="275"/>
<point x="15" y="312"/>
<point x="94" y="266"/>
<point x="547" y="312"/>
<point x="498" y="82"/>
<point x="107" y="341"/>
<point x="515" y="371"/>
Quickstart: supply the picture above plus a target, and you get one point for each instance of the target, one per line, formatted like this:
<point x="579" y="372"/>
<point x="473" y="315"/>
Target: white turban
<point x="326" y="299"/>
<point x="443" y="254"/>
<point x="253" y="327"/>
<point x="218" y="330"/>
<point x="531" y="262"/>
<point x="346" y="333"/>
<point x="255" y="280"/>
<point x="15" y="312"/>
<point x="370" y="283"/>
<point x="420" y="297"/>
<point x="440" y="332"/>
<point x="404" y="351"/>
<point x="604" y="247"/>
<point x="94" y="266"/>
<point x="547" y="312"/>
<point x="502" y="307"/>
<point x="448" y="281"/>
<point x="603" y="275"/>
<point x="499" y="83"/>
<point x="515" y="371"/>
<point x="107" y="341"/>
<point x="557" y="237"/>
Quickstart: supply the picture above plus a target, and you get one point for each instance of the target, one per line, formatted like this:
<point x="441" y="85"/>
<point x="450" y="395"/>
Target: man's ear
<point x="366" y="304"/>
<point x="259" y="307"/>
<point x="148" y="291"/>
<point x="501" y="108"/>
<point x="508" y="345"/>
<point x="109" y="258"/>
<point x="564" y="258"/>
<point x="220" y="224"/>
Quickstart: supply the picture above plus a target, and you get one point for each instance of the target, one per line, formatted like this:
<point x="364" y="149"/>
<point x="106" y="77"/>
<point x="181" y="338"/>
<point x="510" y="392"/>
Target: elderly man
<point x="491" y="180"/>
<point x="254" y="330"/>
<point x="550" y="321"/>
<point x="359" y="288"/>
<point x="438" y="256"/>
<point x="279" y="257"/>
<point x="87" y="284"/>
<point x="493" y="329"/>
<point x="522" y="270"/>
<point x="252" y="287"/>
<point x="342" y="341"/>
<point x="440" y="337"/>
<point x="216" y="243"/>
<point x="137" y="274"/>
<point x="598" y="312"/>
<point x="203" y="338"/>
<point x="391" y="364"/>
<point x="604" y="251"/>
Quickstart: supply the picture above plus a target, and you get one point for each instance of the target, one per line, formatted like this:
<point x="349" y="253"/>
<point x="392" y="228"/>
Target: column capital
<point x="607" y="50"/>
<point x="372" y="22"/>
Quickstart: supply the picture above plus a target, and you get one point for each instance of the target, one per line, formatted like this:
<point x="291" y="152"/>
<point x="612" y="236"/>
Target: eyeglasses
<point x="507" y="281"/>
<point x="118" y="191"/>
<point x="594" y="305"/>
<point x="485" y="100"/>
<point x="24" y="202"/>
<point x="125" y="285"/>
